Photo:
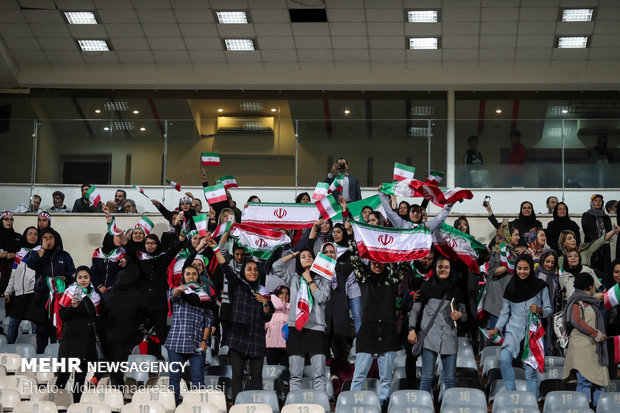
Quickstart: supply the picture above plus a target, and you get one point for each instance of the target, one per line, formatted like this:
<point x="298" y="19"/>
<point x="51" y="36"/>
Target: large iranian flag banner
<point x="259" y="242"/>
<point x="355" y="208"/>
<point x="390" y="245"/>
<point x="280" y="216"/>
<point x="458" y="246"/>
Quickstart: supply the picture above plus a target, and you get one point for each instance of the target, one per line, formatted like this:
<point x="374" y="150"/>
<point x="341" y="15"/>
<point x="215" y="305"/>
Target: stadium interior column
<point x="450" y="144"/>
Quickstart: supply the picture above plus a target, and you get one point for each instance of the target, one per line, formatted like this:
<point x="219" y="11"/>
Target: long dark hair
<point x="298" y="268"/>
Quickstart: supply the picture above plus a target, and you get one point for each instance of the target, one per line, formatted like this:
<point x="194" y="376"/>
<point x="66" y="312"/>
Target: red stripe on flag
<point x="616" y="349"/>
<point x="325" y="270"/>
<point x="387" y="256"/>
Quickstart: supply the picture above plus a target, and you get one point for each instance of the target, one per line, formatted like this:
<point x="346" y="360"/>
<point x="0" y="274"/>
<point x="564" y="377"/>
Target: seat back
<point x="51" y="349"/>
<point x="564" y="399"/>
<point x="554" y="361"/>
<point x="9" y="398"/>
<point x="251" y="408"/>
<point x="24" y="384"/>
<point x="273" y="371"/>
<point x="152" y="407"/>
<point x="461" y="396"/>
<point x="165" y="397"/>
<point x="259" y="397"/>
<point x="358" y="398"/>
<point x="11" y="361"/>
<point x="608" y="402"/>
<point x="309" y="397"/>
<point x="508" y="398"/>
<point x="410" y="398"/>
<point x="488" y="352"/>
<point x="303" y="408"/>
<point x="492" y="362"/>
<point x="61" y="398"/>
<point x="26" y="350"/>
<point x="197" y="408"/>
<point x="89" y="408"/>
<point x="109" y="396"/>
<point x="454" y="408"/>
<point x="35" y="407"/>
<point x="358" y="408"/>
<point x="216" y="398"/>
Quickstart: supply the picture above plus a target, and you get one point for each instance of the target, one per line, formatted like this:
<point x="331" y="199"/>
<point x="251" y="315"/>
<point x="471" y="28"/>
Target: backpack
<point x="561" y="328"/>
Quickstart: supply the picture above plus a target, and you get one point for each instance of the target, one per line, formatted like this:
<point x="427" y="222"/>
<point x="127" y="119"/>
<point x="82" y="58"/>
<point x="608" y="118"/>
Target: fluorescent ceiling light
<point x="573" y="42"/>
<point x="577" y="15"/>
<point x="80" y="17"/>
<point x="422" y="16"/>
<point x="119" y="105"/>
<point x="423" y="43"/>
<point x="231" y="17"/>
<point x="239" y="44"/>
<point x="93" y="45"/>
<point x="256" y="106"/>
<point x="422" y="110"/>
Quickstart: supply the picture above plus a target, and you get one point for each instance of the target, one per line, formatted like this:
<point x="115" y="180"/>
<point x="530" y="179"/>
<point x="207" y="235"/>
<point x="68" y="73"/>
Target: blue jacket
<point x="513" y="319"/>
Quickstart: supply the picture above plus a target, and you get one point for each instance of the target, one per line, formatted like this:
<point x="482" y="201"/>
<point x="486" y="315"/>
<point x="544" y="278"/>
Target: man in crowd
<point x="119" y="197"/>
<point x="351" y="185"/>
<point x="472" y="156"/>
<point x="552" y="201"/>
<point x="58" y="199"/>
<point x="129" y="207"/>
<point x="83" y="204"/>
<point x="35" y="206"/>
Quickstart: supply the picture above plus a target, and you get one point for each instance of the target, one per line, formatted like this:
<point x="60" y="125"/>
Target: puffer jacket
<point x="274" y="337"/>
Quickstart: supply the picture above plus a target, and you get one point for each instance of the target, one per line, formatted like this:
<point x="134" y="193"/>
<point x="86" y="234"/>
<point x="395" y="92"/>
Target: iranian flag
<point x="305" y="302"/>
<point x="195" y="288"/>
<point x="320" y="191"/>
<point x="435" y="177"/>
<point x="506" y="258"/>
<point x="259" y="242"/>
<point x="324" y="266"/>
<point x="458" y="246"/>
<point x="328" y="207"/>
<point x="215" y="194"/>
<point x="612" y="297"/>
<point x="174" y="185"/>
<point x="146" y="224"/>
<point x="616" y="347"/>
<point x="436" y="196"/>
<point x="113" y="229"/>
<point x="139" y="189"/>
<point x="93" y="195"/>
<point x="533" y="350"/>
<point x="390" y="245"/>
<point x="228" y="181"/>
<point x="402" y="171"/>
<point x="210" y="158"/>
<point x="398" y="188"/>
<point x="336" y="184"/>
<point x="496" y="338"/>
<point x="221" y="229"/>
<point x="480" y="300"/>
<point x="355" y="208"/>
<point x="280" y="216"/>
<point x="201" y="224"/>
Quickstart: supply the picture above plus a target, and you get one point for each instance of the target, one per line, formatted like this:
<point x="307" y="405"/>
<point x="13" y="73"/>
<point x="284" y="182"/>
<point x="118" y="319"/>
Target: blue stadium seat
<point x="564" y="399"/>
<point x="608" y="403"/>
<point x="515" y="399"/>
<point x="309" y="396"/>
<point x="259" y="397"/>
<point x="358" y="398"/>
<point x="410" y="398"/>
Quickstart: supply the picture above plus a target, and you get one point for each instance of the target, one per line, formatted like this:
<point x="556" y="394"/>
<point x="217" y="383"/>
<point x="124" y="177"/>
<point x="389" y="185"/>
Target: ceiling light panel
<point x="231" y="17"/>
<point x="120" y="106"/>
<point x="93" y="45"/>
<point x="573" y="42"/>
<point x="422" y="16"/>
<point x="80" y="17"/>
<point x="423" y="43"/>
<point x="251" y="106"/>
<point x="577" y="15"/>
<point x="239" y="44"/>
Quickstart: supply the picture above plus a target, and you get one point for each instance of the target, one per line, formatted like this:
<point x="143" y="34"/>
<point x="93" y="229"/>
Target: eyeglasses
<point x="150" y="243"/>
<point x="8" y="219"/>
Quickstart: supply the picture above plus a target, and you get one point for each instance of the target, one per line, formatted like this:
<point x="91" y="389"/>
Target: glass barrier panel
<point x="16" y="154"/>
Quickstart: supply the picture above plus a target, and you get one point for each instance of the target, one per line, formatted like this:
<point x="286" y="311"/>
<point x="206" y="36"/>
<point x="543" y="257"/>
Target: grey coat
<point x="441" y="337"/>
<point x="514" y="320"/>
<point x="316" y="318"/>
<point x="398" y="222"/>
<point x="495" y="286"/>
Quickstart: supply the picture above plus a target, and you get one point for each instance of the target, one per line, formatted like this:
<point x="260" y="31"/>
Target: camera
<point x="342" y="166"/>
<point x="486" y="201"/>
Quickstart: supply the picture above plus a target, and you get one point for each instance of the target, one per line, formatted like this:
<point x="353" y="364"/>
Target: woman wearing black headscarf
<point x="561" y="221"/>
<point x="439" y="294"/>
<point x="526" y="221"/>
<point x="106" y="262"/>
<point x="524" y="294"/>
<point x="20" y="289"/>
<point x="596" y="223"/>
<point x="9" y="245"/>
<point x="44" y="220"/>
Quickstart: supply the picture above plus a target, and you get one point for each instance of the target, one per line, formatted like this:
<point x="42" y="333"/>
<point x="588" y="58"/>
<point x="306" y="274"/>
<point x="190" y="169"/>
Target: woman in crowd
<point x="596" y="223"/>
<point x="570" y="268"/>
<point x="568" y="241"/>
<point x="439" y="295"/>
<point x="275" y="340"/>
<point x="20" y="290"/>
<point x="536" y="241"/>
<point x="612" y="323"/>
<point x="403" y="209"/>
<point x="462" y="224"/>
<point x="499" y="272"/>
<point x="308" y="332"/>
<point x="320" y="233"/>
<point x="251" y="309"/>
<point x="415" y="215"/>
<point x="106" y="262"/>
<point x="9" y="244"/>
<point x="524" y="293"/>
<point x="547" y="270"/>
<point x="44" y="220"/>
<point x="191" y="327"/>
<point x="54" y="270"/>
<point x="561" y="222"/>
<point x="303" y="198"/>
<point x="80" y="308"/>
<point x="252" y="198"/>
<point x="375" y="218"/>
<point x="586" y="358"/>
<point x="366" y="213"/>
<point x="526" y="220"/>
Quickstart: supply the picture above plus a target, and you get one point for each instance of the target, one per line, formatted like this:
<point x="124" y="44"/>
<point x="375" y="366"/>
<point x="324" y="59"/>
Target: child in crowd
<point x="275" y="338"/>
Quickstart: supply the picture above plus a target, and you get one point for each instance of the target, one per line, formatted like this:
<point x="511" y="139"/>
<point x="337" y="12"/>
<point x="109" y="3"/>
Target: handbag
<point x="419" y="345"/>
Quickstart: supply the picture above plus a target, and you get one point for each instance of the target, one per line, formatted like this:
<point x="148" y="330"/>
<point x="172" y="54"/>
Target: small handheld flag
<point x="228" y="181"/>
<point x="201" y="224"/>
<point x="221" y="229"/>
<point x="174" y="185"/>
<point x="210" y="158"/>
<point x="140" y="190"/>
<point x="324" y="266"/>
<point x="402" y="171"/>
<point x="320" y="191"/>
<point x="146" y="224"/>
<point x="612" y="297"/>
<point x="336" y="185"/>
<point x="435" y="177"/>
<point x="328" y="207"/>
<point x="495" y="338"/>
<point x="113" y="229"/>
<point x="215" y="193"/>
<point x="93" y="195"/>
